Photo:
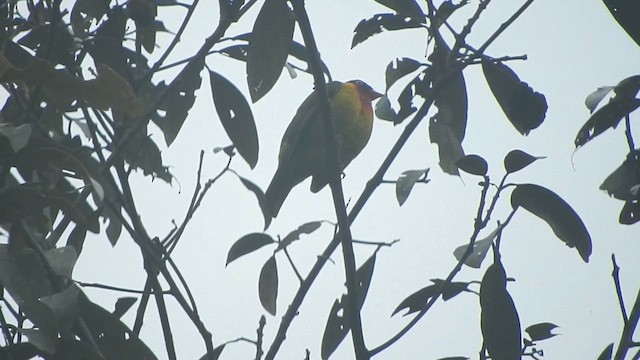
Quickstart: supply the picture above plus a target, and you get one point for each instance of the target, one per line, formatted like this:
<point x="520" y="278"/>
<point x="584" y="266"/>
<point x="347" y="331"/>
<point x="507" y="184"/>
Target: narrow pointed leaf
<point x="381" y="22"/>
<point x="608" y="116"/>
<point x="499" y="319"/>
<point x="607" y="353"/>
<point x="268" y="47"/>
<point x="399" y="68"/>
<point x="541" y="331"/>
<point x="407" y="8"/>
<point x="524" y="107"/>
<point x="517" y="160"/>
<point x="123" y="304"/>
<point x="338" y="326"/>
<point x="416" y="301"/>
<point x="306" y="228"/>
<point x="248" y="244"/>
<point x="268" y="286"/>
<point x="479" y="251"/>
<point x="405" y="183"/>
<point x="236" y="117"/>
<point x="473" y="164"/>
<point x="593" y="99"/>
<point x="261" y="200"/>
<point x="560" y="216"/>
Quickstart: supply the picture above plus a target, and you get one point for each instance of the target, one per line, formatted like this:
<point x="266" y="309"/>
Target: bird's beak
<point x="374" y="94"/>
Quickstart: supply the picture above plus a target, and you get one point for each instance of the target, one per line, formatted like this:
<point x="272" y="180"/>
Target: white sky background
<point x="573" y="48"/>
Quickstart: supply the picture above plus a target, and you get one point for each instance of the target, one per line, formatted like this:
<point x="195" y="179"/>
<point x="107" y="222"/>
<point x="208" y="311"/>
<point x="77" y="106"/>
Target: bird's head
<point x="366" y="92"/>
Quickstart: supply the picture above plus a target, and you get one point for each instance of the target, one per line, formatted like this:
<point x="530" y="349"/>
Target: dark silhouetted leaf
<point x="499" y="319"/>
<point x="247" y="244"/>
<point x="628" y="88"/>
<point x="113" y="337"/>
<point x="541" y="331"/>
<point x="268" y="285"/>
<point x="338" y="326"/>
<point x="479" y="252"/>
<point x="123" y="304"/>
<point x="630" y="213"/>
<point x="593" y="99"/>
<point x="452" y="289"/>
<point x="40" y="339"/>
<point x="64" y="307"/>
<point x="548" y="206"/>
<point x="229" y="9"/>
<point x="261" y="200"/>
<point x="517" y="160"/>
<point x="384" y="111"/>
<point x="18" y="136"/>
<point x="607" y="353"/>
<point x="399" y="68"/>
<point x="380" y="22"/>
<point x="408" y="8"/>
<point x="446" y="9"/>
<point x="23" y="275"/>
<point x="268" y="47"/>
<point x="178" y="102"/>
<point x="20" y="201"/>
<point x="405" y="183"/>
<point x="473" y="164"/>
<point x="143" y="153"/>
<point x="416" y="301"/>
<point x="236" y="117"/>
<point x="626" y="14"/>
<point x="524" y="107"/>
<point x="620" y="182"/>
<point x="449" y="147"/>
<point x="306" y="228"/>
<point x="80" y="213"/>
<point x="62" y="260"/>
<point x="608" y="116"/>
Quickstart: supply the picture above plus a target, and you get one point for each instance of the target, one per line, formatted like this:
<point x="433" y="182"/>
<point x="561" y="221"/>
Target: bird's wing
<point x="305" y="124"/>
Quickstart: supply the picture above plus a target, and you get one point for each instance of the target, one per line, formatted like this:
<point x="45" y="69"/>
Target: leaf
<point x="248" y="244"/>
<point x="630" y="213"/>
<point x="20" y="201"/>
<point x="236" y="117"/>
<point x="405" y="183"/>
<point x="608" y="116"/>
<point x="620" y="182"/>
<point x="479" y="252"/>
<point x="123" y="304"/>
<point x="18" y="136"/>
<point x="306" y="228"/>
<point x="380" y="22"/>
<point x="338" y="325"/>
<point x="64" y="306"/>
<point x="449" y="146"/>
<point x="541" y="331"/>
<point x="452" y="289"/>
<point x="416" y="301"/>
<point x="62" y="260"/>
<point x="499" y="319"/>
<point x="517" y="160"/>
<point x="268" y="286"/>
<point x="524" y="107"/>
<point x="177" y="103"/>
<point x="23" y="275"/>
<point x="560" y="216"/>
<point x="473" y="164"/>
<point x="407" y="8"/>
<point x="41" y="340"/>
<point x="626" y="14"/>
<point x="607" y="353"/>
<point x="593" y="99"/>
<point x="399" y="68"/>
<point x="268" y="47"/>
<point x="261" y="200"/>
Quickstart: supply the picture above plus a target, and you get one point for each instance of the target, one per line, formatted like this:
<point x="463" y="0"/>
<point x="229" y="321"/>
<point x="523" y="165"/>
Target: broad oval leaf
<point x="405" y="183"/>
<point x="541" y="331"/>
<point x="524" y="107"/>
<point x="517" y="160"/>
<point x="236" y="117"/>
<point x="499" y="319"/>
<point x="620" y="182"/>
<point x="247" y="244"/>
<point x="630" y="213"/>
<point x="473" y="164"/>
<point x="399" y="68"/>
<point x="608" y="116"/>
<point x="625" y="13"/>
<point x="268" y="285"/>
<point x="268" y="47"/>
<point x="548" y="206"/>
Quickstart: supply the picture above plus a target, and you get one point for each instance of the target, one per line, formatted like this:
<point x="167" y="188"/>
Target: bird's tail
<point x="278" y="191"/>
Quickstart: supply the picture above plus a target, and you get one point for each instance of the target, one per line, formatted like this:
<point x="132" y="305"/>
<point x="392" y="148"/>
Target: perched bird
<point x="302" y="150"/>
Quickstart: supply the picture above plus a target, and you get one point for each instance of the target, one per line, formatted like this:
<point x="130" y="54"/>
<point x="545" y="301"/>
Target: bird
<point x="302" y="149"/>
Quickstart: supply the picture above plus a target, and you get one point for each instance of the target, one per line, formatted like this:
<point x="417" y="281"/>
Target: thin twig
<point x="504" y="26"/>
<point x="112" y="288"/>
<point x="626" y="339"/>
<point x="615" y="273"/>
<point x="260" y="337"/>
<point x="293" y="266"/>
<point x="628" y="133"/>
